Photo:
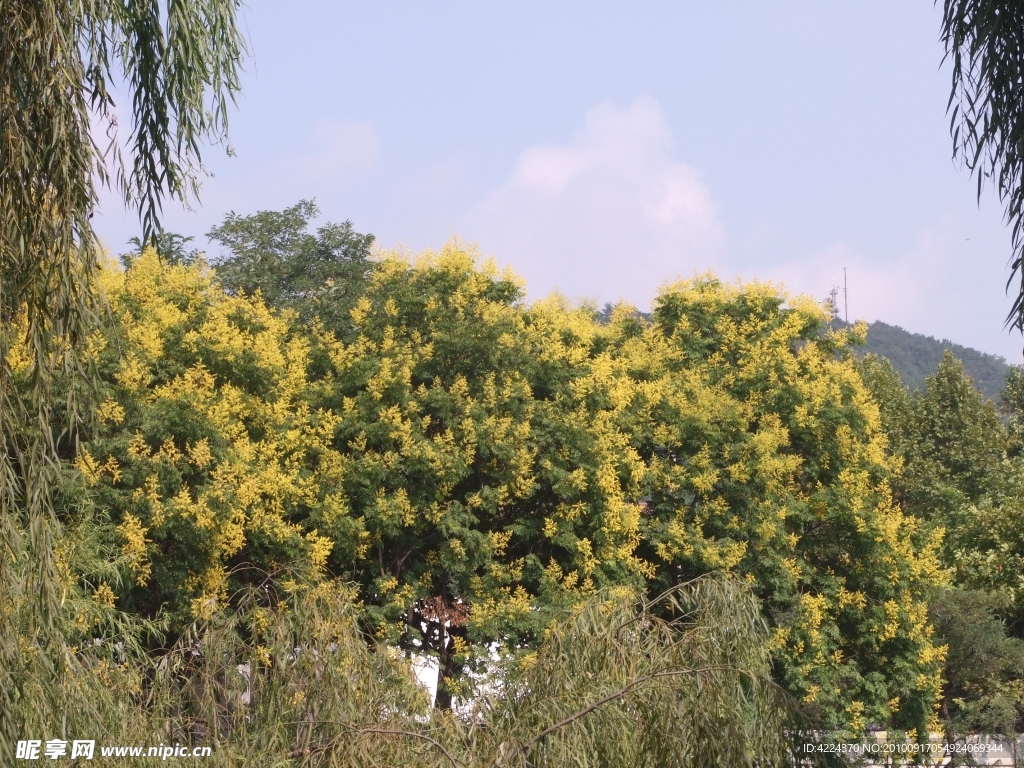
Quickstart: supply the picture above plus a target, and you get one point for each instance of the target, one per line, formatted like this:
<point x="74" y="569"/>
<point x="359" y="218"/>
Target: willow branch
<point x="386" y="731"/>
<point x="617" y="695"/>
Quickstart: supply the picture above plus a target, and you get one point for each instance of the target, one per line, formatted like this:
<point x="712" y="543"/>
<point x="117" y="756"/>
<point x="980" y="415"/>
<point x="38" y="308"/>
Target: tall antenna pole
<point x="846" y="299"/>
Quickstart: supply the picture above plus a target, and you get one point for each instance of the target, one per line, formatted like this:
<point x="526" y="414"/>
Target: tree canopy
<point x="465" y="470"/>
<point x="235" y="499"/>
<point x="476" y="466"/>
<point x="959" y="471"/>
<point x="317" y="275"/>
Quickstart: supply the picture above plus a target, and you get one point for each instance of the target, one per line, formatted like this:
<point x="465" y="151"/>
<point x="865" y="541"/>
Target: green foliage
<point x="58" y="61"/>
<point x="610" y="684"/>
<point x="986" y="540"/>
<point x="894" y="400"/>
<point x="288" y="679"/>
<point x="984" y="676"/>
<point x="958" y="437"/>
<point x="1012" y="402"/>
<point x="613" y="685"/>
<point x="316" y="275"/>
<point x="474" y="466"/>
<point x="916" y="357"/>
<point x="170" y="246"/>
<point x="955" y="473"/>
<point x="950" y="438"/>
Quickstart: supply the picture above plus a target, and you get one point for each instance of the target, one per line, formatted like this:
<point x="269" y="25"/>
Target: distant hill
<point x="916" y="356"/>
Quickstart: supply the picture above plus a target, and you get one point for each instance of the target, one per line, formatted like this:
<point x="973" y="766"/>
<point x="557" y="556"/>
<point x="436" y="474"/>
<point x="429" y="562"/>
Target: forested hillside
<point x="916" y="356"/>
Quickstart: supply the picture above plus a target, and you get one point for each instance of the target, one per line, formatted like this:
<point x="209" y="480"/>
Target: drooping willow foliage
<point x="683" y="680"/>
<point x="60" y="63"/>
<point x="288" y="679"/>
<point x="984" y="41"/>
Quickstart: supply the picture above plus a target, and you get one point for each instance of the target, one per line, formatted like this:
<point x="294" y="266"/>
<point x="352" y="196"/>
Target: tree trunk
<point x="447" y="670"/>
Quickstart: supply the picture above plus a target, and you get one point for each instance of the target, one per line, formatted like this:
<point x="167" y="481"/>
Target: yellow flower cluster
<point x="494" y="458"/>
<point x="211" y="448"/>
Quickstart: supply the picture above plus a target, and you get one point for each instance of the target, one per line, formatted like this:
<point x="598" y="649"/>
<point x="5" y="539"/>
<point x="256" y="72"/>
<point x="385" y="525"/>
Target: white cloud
<point x="338" y="146"/>
<point x="933" y="287"/>
<point x="610" y="214"/>
<point x="897" y="290"/>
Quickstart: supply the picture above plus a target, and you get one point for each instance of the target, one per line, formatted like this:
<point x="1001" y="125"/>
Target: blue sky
<point x="604" y="148"/>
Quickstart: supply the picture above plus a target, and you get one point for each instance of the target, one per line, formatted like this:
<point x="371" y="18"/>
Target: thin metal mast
<point x="846" y="299"/>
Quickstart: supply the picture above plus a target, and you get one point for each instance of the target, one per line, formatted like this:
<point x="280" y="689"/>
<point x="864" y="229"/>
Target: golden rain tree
<point x="765" y="457"/>
<point x="207" y="454"/>
<point x="476" y="466"/>
<point x="483" y="468"/>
